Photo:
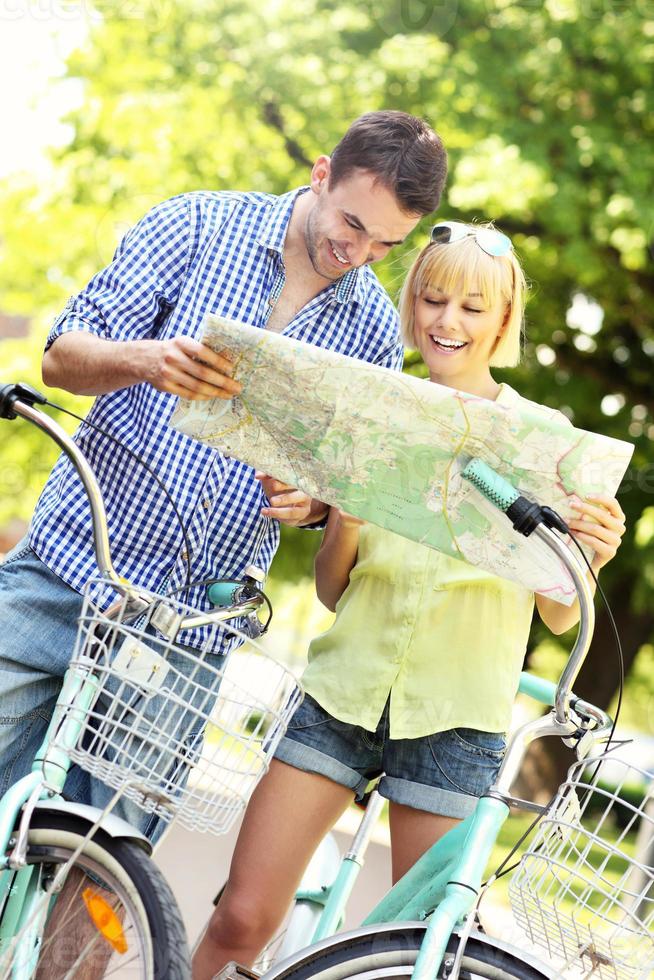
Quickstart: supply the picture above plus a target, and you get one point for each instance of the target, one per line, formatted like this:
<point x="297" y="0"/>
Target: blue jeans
<point x="38" y="628"/>
<point x="444" y="773"/>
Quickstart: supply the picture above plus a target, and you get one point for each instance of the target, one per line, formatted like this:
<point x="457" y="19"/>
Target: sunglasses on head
<point x="489" y="240"/>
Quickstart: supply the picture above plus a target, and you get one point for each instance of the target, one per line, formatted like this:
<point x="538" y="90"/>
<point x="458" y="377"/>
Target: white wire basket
<point x="584" y="890"/>
<point x="186" y="733"/>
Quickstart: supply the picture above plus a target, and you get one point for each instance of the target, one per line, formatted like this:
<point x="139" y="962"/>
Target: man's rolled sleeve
<point x="126" y="300"/>
<point x="68" y="321"/>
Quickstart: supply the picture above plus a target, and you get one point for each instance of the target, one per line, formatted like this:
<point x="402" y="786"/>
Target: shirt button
<point x="185" y="555"/>
<point x="206" y="503"/>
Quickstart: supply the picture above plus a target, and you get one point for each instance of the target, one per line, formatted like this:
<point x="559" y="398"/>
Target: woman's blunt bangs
<point x="464" y="267"/>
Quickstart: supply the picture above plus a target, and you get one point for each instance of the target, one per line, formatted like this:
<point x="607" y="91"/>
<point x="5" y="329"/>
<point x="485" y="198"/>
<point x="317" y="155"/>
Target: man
<point x="296" y="263"/>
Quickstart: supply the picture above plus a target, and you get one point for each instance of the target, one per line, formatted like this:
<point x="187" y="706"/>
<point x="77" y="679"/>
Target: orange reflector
<point x="105" y="919"/>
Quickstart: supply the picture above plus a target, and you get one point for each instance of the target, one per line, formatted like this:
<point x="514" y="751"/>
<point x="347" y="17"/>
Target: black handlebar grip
<point x="9" y="394"/>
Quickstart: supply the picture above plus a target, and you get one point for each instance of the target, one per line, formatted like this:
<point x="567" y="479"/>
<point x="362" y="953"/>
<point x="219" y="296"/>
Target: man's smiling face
<point x="352" y="224"/>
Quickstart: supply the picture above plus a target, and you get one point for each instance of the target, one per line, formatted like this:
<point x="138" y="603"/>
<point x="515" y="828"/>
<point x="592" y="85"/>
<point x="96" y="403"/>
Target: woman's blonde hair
<point x="464" y="267"/>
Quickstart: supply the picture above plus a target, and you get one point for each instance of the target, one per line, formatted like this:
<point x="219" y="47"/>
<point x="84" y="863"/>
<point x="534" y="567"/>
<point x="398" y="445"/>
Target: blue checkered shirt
<point x="194" y="254"/>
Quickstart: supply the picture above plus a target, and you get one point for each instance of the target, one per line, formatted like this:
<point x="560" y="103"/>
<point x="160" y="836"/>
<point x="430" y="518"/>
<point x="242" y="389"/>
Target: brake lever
<point x="586" y="736"/>
<point x="253" y="627"/>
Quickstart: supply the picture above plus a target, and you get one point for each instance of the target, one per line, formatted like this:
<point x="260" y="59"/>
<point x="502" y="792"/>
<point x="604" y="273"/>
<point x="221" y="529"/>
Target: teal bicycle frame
<point x="20" y="895"/>
<point x="444" y="885"/>
<point x="22" y="906"/>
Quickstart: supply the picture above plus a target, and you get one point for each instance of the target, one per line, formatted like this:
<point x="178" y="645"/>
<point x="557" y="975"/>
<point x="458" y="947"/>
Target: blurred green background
<point x="546" y="111"/>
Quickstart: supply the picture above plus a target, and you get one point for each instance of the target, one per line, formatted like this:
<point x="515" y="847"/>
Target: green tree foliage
<point x="545" y="108"/>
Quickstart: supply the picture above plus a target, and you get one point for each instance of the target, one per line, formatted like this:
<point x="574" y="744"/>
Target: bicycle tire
<point x="390" y="951"/>
<point x="152" y="928"/>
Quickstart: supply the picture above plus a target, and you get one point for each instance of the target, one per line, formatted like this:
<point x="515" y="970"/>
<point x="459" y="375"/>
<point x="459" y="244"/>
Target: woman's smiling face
<point x="456" y="335"/>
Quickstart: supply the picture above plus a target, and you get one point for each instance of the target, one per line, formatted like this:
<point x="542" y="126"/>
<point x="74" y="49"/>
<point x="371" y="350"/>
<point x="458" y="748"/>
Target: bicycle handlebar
<point x="19" y="400"/>
<point x="493" y="486"/>
<point x="528" y="517"/>
<point x="10" y="394"/>
<point x="63" y="440"/>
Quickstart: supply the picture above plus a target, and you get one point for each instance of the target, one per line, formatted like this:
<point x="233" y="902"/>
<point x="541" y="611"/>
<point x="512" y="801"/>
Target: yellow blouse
<point x="445" y="639"/>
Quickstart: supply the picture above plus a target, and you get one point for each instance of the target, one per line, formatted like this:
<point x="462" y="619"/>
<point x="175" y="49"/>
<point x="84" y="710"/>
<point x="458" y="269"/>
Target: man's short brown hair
<point x="403" y="152"/>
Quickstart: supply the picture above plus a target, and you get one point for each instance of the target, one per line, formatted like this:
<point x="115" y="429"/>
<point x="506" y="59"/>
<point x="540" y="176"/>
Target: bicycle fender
<point x="112" y="825"/>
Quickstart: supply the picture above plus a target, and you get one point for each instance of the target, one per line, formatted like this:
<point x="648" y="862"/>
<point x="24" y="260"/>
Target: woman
<point x="417" y="676"/>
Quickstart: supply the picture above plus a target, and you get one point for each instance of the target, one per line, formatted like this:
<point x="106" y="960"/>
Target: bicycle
<point x="566" y="893"/>
<point x="140" y="711"/>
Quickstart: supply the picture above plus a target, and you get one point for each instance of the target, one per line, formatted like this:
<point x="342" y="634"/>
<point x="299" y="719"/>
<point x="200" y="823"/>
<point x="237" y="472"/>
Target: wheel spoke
<point x="120" y="966"/>
<point x="80" y="961"/>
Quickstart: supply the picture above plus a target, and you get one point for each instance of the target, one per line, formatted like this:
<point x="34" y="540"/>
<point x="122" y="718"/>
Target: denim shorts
<point x="443" y="773"/>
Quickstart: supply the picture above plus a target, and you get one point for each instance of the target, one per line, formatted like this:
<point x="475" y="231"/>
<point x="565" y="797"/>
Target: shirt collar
<point x="350" y="288"/>
<point x="273" y="232"/>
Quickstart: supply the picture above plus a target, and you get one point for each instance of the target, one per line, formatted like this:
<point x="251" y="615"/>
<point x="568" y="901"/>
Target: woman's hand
<point x="601" y="524"/>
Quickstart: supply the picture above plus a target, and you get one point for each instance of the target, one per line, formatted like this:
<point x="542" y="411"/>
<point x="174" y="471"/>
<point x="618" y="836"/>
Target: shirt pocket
<point x="469" y="759"/>
<point x="308" y="715"/>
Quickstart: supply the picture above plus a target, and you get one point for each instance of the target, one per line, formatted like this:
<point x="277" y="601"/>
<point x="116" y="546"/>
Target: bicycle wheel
<point x="115" y="915"/>
<point x="380" y="952"/>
